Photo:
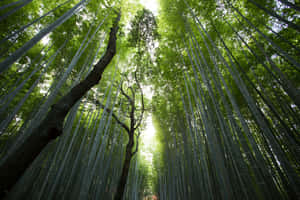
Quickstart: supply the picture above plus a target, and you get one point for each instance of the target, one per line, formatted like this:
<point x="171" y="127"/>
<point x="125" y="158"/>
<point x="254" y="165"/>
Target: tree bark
<point x="126" y="167"/>
<point x="14" y="164"/>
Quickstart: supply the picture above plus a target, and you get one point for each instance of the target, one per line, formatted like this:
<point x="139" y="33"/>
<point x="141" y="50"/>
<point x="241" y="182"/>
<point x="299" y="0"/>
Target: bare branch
<point x="126" y="95"/>
<point x="114" y="116"/>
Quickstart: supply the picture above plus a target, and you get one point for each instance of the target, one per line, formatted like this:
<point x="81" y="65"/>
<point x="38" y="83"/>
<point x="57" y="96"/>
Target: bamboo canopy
<point x="218" y="79"/>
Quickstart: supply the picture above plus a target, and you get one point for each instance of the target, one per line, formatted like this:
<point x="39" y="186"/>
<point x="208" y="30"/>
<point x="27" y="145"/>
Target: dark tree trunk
<point x="125" y="170"/>
<point x="14" y="164"/>
<point x="134" y="124"/>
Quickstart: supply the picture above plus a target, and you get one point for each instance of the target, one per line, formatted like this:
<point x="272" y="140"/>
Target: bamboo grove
<point x="233" y="128"/>
<point x="225" y="81"/>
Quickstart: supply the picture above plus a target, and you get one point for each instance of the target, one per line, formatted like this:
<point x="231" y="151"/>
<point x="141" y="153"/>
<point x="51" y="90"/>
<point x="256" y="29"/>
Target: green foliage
<point x="161" y="51"/>
<point x="143" y="32"/>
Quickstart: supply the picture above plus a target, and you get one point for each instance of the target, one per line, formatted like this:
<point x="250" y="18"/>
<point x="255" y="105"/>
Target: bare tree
<point x="135" y="121"/>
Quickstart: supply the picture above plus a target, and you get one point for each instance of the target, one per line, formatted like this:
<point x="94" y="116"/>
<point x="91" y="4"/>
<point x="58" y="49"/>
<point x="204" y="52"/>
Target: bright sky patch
<point x="151" y="5"/>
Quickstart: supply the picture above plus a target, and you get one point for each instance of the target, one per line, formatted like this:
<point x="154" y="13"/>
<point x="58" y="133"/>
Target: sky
<point x="151" y="5"/>
<point x="148" y="140"/>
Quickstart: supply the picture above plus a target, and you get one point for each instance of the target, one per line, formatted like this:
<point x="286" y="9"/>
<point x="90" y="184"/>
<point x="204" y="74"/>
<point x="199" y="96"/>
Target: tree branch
<point x="126" y="95"/>
<point x="114" y="116"/>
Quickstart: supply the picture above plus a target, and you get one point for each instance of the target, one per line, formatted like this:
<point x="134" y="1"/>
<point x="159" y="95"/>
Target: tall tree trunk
<point x="13" y="165"/>
<point x="126" y="167"/>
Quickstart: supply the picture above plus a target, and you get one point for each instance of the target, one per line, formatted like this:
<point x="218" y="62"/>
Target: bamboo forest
<point x="149" y="99"/>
